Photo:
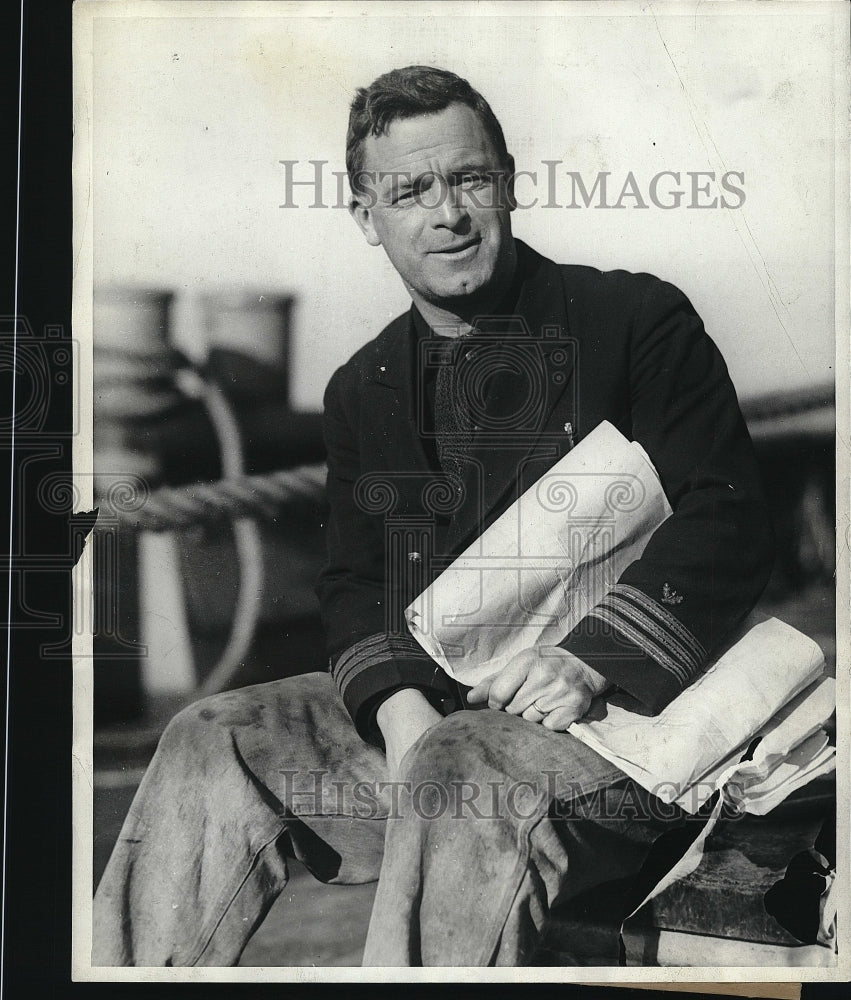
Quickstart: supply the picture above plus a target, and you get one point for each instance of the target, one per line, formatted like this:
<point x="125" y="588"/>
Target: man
<point x="504" y="361"/>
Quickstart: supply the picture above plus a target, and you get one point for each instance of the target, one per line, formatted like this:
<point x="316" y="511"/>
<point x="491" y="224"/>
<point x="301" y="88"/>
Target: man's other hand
<point x="546" y="685"/>
<point x="402" y="719"/>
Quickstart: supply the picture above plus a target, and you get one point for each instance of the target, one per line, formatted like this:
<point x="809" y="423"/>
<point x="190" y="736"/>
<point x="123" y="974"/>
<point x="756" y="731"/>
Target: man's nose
<point x="450" y="211"/>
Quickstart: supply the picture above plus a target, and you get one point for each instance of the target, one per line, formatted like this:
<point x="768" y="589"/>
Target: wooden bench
<point x="715" y="916"/>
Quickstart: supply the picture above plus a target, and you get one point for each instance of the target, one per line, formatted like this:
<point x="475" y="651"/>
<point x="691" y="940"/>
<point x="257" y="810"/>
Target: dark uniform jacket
<point x="582" y="346"/>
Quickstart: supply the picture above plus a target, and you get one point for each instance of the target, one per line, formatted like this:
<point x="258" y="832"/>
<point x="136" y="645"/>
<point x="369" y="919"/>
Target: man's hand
<point x="546" y="685"/>
<point x="402" y="719"/>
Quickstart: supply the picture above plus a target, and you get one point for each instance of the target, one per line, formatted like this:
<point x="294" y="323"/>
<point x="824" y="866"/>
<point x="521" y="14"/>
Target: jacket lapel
<point x="390" y="399"/>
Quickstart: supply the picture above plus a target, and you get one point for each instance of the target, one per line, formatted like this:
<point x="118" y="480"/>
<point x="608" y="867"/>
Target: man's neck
<point x="446" y="321"/>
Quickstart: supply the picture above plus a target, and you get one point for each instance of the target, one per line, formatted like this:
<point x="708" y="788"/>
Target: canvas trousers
<point x="495" y="820"/>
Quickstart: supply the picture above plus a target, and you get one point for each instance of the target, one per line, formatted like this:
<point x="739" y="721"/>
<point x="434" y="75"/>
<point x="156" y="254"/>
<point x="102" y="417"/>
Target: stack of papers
<point x="768" y="685"/>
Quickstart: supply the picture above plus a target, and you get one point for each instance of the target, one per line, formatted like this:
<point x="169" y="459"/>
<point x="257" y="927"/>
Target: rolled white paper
<point x="545" y="562"/>
<point x="761" y="684"/>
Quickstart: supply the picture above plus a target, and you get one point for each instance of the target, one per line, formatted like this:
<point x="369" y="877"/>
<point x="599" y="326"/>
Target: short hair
<point x="407" y="93"/>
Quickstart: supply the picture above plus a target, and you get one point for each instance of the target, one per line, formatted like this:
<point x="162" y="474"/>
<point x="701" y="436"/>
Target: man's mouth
<point x="457" y="249"/>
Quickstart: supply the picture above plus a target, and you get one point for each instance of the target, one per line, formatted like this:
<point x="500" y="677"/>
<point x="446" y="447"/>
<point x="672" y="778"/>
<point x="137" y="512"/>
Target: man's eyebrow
<point x="475" y="168"/>
<point x="402" y="178"/>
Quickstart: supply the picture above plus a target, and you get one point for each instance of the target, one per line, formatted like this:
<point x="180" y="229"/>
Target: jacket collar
<point x="538" y="304"/>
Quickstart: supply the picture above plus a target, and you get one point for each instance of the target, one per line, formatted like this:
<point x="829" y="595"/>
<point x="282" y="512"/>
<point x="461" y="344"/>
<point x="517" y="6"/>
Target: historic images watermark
<point x="320" y="793"/>
<point x="312" y="184"/>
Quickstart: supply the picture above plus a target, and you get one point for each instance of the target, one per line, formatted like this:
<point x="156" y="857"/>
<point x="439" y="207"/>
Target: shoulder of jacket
<point x="352" y="373"/>
<point x="619" y="291"/>
<point x="596" y="280"/>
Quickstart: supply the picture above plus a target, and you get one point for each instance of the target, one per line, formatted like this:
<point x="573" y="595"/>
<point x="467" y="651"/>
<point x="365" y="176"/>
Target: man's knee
<point x="200" y="725"/>
<point x="254" y="717"/>
<point x="444" y="753"/>
<point x="456" y="772"/>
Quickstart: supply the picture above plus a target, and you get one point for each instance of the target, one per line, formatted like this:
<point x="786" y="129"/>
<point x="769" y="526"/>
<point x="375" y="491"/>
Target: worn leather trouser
<point x="497" y="820"/>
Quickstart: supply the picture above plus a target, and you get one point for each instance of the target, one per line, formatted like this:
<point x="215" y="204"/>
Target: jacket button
<point x="414" y="557"/>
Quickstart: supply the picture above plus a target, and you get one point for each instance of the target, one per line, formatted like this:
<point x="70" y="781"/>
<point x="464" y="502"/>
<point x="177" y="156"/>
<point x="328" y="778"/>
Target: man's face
<point x="436" y="200"/>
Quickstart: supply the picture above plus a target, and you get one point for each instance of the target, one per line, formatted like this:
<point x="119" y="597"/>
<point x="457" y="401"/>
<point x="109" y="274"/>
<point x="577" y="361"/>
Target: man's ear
<point x="360" y="210"/>
<point x="511" y="203"/>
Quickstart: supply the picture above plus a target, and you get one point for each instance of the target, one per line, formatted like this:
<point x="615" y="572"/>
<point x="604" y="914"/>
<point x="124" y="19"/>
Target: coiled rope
<point x="172" y="508"/>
